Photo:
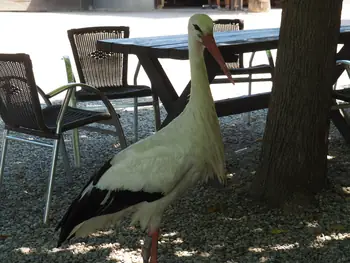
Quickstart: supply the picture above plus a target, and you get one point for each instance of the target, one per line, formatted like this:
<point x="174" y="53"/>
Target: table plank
<point x="181" y="41"/>
<point x="176" y="46"/>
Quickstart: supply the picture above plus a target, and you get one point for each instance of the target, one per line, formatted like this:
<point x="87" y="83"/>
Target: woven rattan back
<point x="230" y="25"/>
<point x="19" y="100"/>
<point x="97" y="68"/>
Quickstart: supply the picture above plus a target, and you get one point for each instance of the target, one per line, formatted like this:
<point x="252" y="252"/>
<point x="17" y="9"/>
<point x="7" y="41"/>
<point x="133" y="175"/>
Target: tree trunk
<point x="295" y="144"/>
<point x="259" y="5"/>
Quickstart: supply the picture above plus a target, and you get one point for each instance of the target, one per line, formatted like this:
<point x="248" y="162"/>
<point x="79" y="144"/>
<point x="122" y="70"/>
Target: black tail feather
<point x="64" y="221"/>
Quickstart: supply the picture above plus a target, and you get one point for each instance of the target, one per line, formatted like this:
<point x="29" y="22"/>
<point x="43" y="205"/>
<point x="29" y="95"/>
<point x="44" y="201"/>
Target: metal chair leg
<point x="65" y="158"/>
<point x="76" y="149"/>
<point x="3" y="154"/>
<point x="119" y="130"/>
<point x="156" y="111"/>
<point x="136" y="120"/>
<point x="52" y="171"/>
<point x="249" y="93"/>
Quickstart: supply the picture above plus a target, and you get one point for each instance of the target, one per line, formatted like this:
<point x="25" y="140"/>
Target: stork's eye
<point x="197" y="28"/>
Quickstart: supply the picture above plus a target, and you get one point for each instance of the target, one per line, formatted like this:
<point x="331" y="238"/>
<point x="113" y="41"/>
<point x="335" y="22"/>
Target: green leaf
<point x="277" y="231"/>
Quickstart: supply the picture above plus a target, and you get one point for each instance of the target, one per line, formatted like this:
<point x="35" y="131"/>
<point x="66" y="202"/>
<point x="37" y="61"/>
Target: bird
<point x="143" y="179"/>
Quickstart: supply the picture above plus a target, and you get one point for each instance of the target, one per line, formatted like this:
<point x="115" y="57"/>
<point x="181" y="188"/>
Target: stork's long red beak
<point x="209" y="43"/>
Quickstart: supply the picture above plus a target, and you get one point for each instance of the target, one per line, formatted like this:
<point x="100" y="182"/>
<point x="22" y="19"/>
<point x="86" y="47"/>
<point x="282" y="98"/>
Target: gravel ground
<point x="196" y="228"/>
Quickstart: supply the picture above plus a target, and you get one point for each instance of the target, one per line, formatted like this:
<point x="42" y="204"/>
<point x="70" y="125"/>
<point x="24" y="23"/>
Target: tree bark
<point x="259" y="5"/>
<point x="295" y="144"/>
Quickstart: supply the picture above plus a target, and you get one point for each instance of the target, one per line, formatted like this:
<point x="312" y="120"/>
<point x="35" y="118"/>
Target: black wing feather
<point x="100" y="202"/>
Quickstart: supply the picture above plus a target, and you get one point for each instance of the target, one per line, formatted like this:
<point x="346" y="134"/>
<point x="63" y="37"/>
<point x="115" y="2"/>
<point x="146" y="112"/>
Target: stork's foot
<point x="146" y="249"/>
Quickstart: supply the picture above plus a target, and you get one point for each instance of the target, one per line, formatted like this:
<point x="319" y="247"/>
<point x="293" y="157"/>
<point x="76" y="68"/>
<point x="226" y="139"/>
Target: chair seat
<point x="115" y="93"/>
<point x="73" y="117"/>
<point x="259" y="69"/>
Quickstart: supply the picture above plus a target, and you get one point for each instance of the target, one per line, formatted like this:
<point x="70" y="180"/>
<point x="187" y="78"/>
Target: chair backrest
<point x="97" y="68"/>
<point x="230" y="25"/>
<point x="19" y="100"/>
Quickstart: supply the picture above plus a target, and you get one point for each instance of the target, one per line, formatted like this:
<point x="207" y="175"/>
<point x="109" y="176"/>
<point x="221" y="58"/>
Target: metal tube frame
<point x="50" y="182"/>
<point x="154" y="103"/>
<point x="73" y="103"/>
<point x="58" y="145"/>
<point x="3" y="154"/>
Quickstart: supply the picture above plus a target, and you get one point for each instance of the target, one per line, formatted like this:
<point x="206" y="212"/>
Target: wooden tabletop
<point x="176" y="46"/>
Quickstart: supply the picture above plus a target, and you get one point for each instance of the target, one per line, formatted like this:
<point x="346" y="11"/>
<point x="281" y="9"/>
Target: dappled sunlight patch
<point x="239" y="219"/>
<point x="119" y="255"/>
<point x="177" y="241"/>
<point x="230" y="175"/>
<point x="79" y="248"/>
<point x="322" y="240"/>
<point x="25" y="250"/>
<point x="111" y="251"/>
<point x="83" y="248"/>
<point x="275" y="247"/>
<point x="169" y="235"/>
<point x="285" y="246"/>
<point x="330" y="157"/>
<point x="185" y="253"/>
<point x="171" y="238"/>
<point x="256" y="249"/>
<point x="102" y="233"/>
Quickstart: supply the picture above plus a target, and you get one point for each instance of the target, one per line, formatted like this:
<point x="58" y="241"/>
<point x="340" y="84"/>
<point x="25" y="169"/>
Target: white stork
<point x="145" y="178"/>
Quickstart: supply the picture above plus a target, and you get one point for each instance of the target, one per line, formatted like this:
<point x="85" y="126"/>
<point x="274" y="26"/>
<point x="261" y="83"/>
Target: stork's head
<point x="200" y="27"/>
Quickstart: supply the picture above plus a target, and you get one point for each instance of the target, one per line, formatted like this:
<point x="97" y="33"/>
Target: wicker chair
<point x="107" y="71"/>
<point x="21" y="112"/>
<point x="237" y="67"/>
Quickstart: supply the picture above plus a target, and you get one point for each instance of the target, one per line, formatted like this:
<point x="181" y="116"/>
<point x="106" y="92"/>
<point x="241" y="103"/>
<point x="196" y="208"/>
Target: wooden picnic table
<point x="150" y="49"/>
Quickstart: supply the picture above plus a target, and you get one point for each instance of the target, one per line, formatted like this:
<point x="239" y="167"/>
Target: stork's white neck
<point x="201" y="112"/>
<point x="200" y="91"/>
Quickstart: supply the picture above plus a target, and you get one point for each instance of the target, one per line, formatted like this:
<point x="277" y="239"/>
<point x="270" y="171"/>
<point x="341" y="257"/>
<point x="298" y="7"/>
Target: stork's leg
<point x="150" y="247"/>
<point x="154" y="249"/>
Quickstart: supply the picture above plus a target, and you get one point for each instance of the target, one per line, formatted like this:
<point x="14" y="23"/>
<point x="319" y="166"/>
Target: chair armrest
<point x="137" y="72"/>
<point x="44" y="96"/>
<point x="70" y="88"/>
<point x="69" y="71"/>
